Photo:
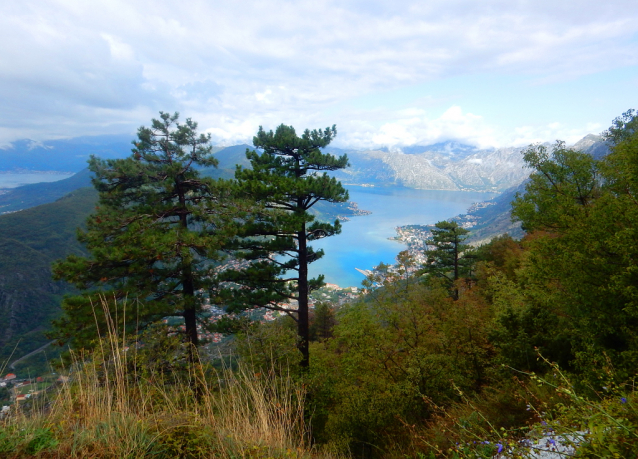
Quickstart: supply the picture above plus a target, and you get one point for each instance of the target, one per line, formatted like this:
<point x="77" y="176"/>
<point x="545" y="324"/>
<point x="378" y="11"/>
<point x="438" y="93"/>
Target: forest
<point x="515" y="348"/>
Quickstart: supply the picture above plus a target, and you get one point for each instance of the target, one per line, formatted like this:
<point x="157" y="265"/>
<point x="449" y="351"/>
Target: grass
<point x="110" y="409"/>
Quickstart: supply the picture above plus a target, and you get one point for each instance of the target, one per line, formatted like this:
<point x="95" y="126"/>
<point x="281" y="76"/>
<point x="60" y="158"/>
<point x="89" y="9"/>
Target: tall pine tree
<point x="450" y="258"/>
<point x="287" y="178"/>
<point x="155" y="232"/>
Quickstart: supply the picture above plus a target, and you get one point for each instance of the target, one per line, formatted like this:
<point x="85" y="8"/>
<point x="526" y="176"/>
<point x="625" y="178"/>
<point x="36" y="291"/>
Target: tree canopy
<point x="582" y="214"/>
<point x="449" y="260"/>
<point x="288" y="177"/>
<point x="153" y="238"/>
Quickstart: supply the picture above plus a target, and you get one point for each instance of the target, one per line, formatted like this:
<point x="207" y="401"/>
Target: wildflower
<point x="623" y="400"/>
<point x="500" y="448"/>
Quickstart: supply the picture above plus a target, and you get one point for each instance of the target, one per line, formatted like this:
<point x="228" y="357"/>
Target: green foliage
<point x="31" y="240"/>
<point x="31" y="441"/>
<point x="450" y="259"/>
<point x="560" y="192"/>
<point x="184" y="441"/>
<point x="286" y="180"/>
<point x="582" y="256"/>
<point x="157" y="230"/>
<point x="322" y="321"/>
<point x="270" y="347"/>
<point x="43" y="439"/>
<point x="161" y="356"/>
<point x="406" y="349"/>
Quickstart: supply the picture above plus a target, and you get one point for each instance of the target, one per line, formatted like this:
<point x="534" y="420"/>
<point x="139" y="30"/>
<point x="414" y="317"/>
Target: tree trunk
<point x="302" y="308"/>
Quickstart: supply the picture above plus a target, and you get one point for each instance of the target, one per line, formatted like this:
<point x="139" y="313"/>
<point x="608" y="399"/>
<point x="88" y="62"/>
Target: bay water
<point x="364" y="241"/>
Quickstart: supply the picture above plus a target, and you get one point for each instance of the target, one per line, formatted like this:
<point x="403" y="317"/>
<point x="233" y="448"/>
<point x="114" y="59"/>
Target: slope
<point x="30" y="241"/>
<point x="35" y="194"/>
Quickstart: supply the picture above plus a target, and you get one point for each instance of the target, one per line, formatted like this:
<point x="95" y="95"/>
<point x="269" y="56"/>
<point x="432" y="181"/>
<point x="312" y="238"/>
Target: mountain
<point x="595" y="145"/>
<point x="228" y="158"/>
<point x="69" y="155"/>
<point x="448" y="166"/>
<point x="495" y="217"/>
<point x="26" y="196"/>
<point x="443" y="166"/>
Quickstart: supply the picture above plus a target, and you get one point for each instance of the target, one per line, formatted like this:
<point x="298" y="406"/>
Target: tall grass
<point x="110" y="409"/>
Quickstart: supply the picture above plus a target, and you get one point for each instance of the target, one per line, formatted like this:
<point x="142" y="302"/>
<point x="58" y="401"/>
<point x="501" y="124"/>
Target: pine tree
<point x="152" y="239"/>
<point x="450" y="259"/>
<point x="286" y="179"/>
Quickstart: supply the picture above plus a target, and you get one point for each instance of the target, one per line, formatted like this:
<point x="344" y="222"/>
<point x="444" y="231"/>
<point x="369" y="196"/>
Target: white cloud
<point x="71" y="67"/>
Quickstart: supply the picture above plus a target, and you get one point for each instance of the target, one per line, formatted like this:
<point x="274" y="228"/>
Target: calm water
<point x="364" y="243"/>
<point x="15" y="180"/>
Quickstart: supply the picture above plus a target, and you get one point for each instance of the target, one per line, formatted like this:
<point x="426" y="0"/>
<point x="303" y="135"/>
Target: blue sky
<point x="490" y="72"/>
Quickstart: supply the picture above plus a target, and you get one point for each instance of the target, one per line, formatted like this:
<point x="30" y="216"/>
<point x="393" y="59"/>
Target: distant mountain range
<point x="447" y="166"/>
<point x="442" y="166"/>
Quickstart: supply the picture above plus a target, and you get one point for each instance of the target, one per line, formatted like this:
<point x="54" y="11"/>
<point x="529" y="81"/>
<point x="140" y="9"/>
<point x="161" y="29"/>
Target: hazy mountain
<point x="496" y="219"/>
<point x="592" y="144"/>
<point x="71" y="155"/>
<point x="68" y="155"/>
<point x="26" y="196"/>
<point x="443" y="166"/>
<point x="448" y="166"/>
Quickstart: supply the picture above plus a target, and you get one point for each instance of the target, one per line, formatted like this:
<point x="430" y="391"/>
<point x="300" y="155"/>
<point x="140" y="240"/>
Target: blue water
<point x="364" y="243"/>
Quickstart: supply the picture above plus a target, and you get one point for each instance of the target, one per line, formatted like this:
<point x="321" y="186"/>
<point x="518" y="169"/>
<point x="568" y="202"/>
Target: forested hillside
<point x="31" y="240"/>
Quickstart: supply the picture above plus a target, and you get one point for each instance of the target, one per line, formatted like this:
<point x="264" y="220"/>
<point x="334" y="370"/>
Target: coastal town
<point x="416" y="237"/>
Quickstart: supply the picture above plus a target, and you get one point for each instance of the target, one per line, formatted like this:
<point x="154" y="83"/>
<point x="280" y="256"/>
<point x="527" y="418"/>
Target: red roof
<point x="10" y="376"/>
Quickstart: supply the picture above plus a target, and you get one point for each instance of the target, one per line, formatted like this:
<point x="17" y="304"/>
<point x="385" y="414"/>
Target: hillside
<point x="496" y="219"/>
<point x="26" y="196"/>
<point x="35" y="194"/>
<point x="31" y="240"/>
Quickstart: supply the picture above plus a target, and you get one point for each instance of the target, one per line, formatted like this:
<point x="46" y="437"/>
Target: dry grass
<point x="108" y="410"/>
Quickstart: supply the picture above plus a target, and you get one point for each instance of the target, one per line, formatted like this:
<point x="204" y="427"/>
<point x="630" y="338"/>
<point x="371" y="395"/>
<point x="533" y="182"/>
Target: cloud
<point x="70" y="67"/>
<point x="453" y="124"/>
<point x="457" y="125"/>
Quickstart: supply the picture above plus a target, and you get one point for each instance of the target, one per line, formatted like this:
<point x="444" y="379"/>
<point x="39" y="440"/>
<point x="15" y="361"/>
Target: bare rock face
<point x="468" y="170"/>
<point x="449" y="166"/>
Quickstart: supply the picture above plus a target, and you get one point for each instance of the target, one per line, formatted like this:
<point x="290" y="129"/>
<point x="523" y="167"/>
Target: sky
<point x="489" y="73"/>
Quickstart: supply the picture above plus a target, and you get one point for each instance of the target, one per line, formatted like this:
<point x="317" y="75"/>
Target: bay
<point x="363" y="242"/>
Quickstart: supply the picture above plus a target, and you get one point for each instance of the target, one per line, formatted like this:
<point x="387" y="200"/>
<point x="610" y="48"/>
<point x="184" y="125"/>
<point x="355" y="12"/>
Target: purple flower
<point x="500" y="448"/>
<point x="623" y="400"/>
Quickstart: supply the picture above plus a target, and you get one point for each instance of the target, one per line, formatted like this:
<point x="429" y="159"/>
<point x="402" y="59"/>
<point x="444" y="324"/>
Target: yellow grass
<point x="107" y="410"/>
